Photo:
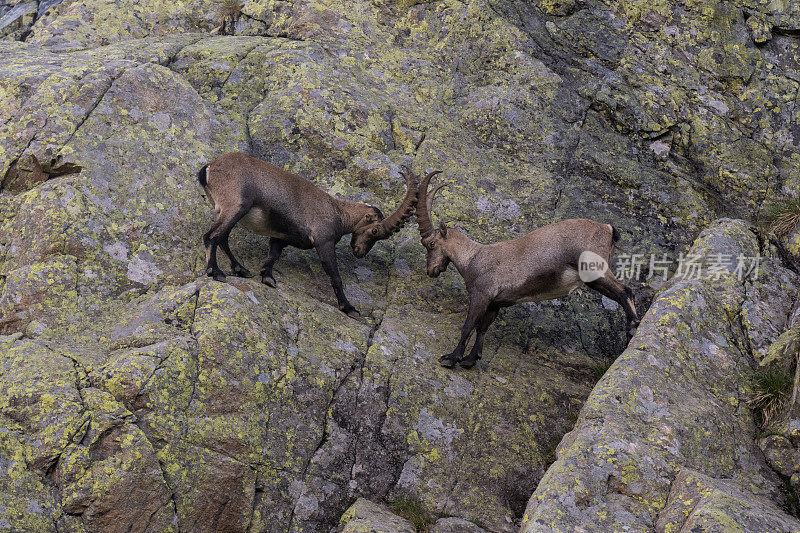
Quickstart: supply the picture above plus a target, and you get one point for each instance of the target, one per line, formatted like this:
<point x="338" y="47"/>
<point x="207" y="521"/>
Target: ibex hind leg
<point x="238" y="268"/>
<point x="630" y="310"/>
<point x="216" y="235"/>
<point x="276" y="247"/>
<point x="610" y="287"/>
<point x="212" y="267"/>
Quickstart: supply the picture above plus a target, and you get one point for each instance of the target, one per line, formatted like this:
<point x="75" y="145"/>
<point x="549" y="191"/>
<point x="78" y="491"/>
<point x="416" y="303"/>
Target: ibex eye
<point x="374" y="231"/>
<point x="433" y="245"/>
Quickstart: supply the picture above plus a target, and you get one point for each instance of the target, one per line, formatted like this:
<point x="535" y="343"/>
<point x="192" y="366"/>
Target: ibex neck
<point x="461" y="250"/>
<point x="352" y="213"/>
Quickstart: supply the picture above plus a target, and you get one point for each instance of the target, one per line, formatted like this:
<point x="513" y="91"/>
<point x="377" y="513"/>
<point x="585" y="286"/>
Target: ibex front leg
<point x="477" y="308"/>
<point x="327" y="254"/>
<point x="483" y="324"/>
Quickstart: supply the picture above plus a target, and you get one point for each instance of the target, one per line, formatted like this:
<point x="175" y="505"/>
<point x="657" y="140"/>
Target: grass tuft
<point x="782" y="216"/>
<point x="413" y="511"/>
<point x="771" y="389"/>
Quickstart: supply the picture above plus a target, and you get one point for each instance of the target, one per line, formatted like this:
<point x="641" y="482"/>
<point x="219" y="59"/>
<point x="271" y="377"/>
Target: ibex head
<point x="372" y="227"/>
<point x="434" y="240"/>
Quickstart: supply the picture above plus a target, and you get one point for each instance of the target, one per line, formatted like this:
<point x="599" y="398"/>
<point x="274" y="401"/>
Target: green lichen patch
<point x="700" y="502"/>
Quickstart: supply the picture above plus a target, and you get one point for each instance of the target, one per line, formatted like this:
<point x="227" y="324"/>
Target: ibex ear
<point x="443" y="229"/>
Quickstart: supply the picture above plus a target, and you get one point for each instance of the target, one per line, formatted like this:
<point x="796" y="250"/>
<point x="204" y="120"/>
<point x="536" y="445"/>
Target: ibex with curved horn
<point x="549" y="262"/>
<point x="292" y="212"/>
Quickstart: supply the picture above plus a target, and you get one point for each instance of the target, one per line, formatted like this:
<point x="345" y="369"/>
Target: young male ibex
<point x="292" y="212"/>
<point x="542" y="265"/>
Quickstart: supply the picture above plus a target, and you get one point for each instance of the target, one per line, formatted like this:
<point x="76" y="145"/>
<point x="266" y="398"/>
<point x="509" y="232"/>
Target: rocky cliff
<point x="138" y="395"/>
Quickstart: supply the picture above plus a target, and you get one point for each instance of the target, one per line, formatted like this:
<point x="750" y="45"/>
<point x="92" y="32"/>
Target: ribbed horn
<point x="424" y="208"/>
<point x="397" y="220"/>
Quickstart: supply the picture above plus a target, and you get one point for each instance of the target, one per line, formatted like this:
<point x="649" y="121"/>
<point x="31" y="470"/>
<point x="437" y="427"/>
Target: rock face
<point x="366" y="517"/>
<point x="698" y="503"/>
<point x="666" y="440"/>
<point x="138" y="395"/>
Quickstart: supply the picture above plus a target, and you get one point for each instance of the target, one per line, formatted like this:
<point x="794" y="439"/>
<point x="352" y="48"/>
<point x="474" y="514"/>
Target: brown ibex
<point x="542" y="265"/>
<point x="292" y="212"/>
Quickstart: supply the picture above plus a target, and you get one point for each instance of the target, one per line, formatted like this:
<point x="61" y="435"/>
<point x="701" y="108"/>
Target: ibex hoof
<point x="218" y="276"/>
<point x="268" y="281"/>
<point x="242" y="272"/>
<point x="469" y="362"/>
<point x="352" y="312"/>
<point x="447" y="361"/>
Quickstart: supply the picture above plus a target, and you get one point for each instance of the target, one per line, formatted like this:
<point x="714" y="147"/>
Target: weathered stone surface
<point x="780" y="454"/>
<point x="367" y="517"/>
<point x="239" y="407"/>
<point x="700" y="503"/>
<point x="673" y="401"/>
<point x="16" y="17"/>
<point x="455" y="525"/>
